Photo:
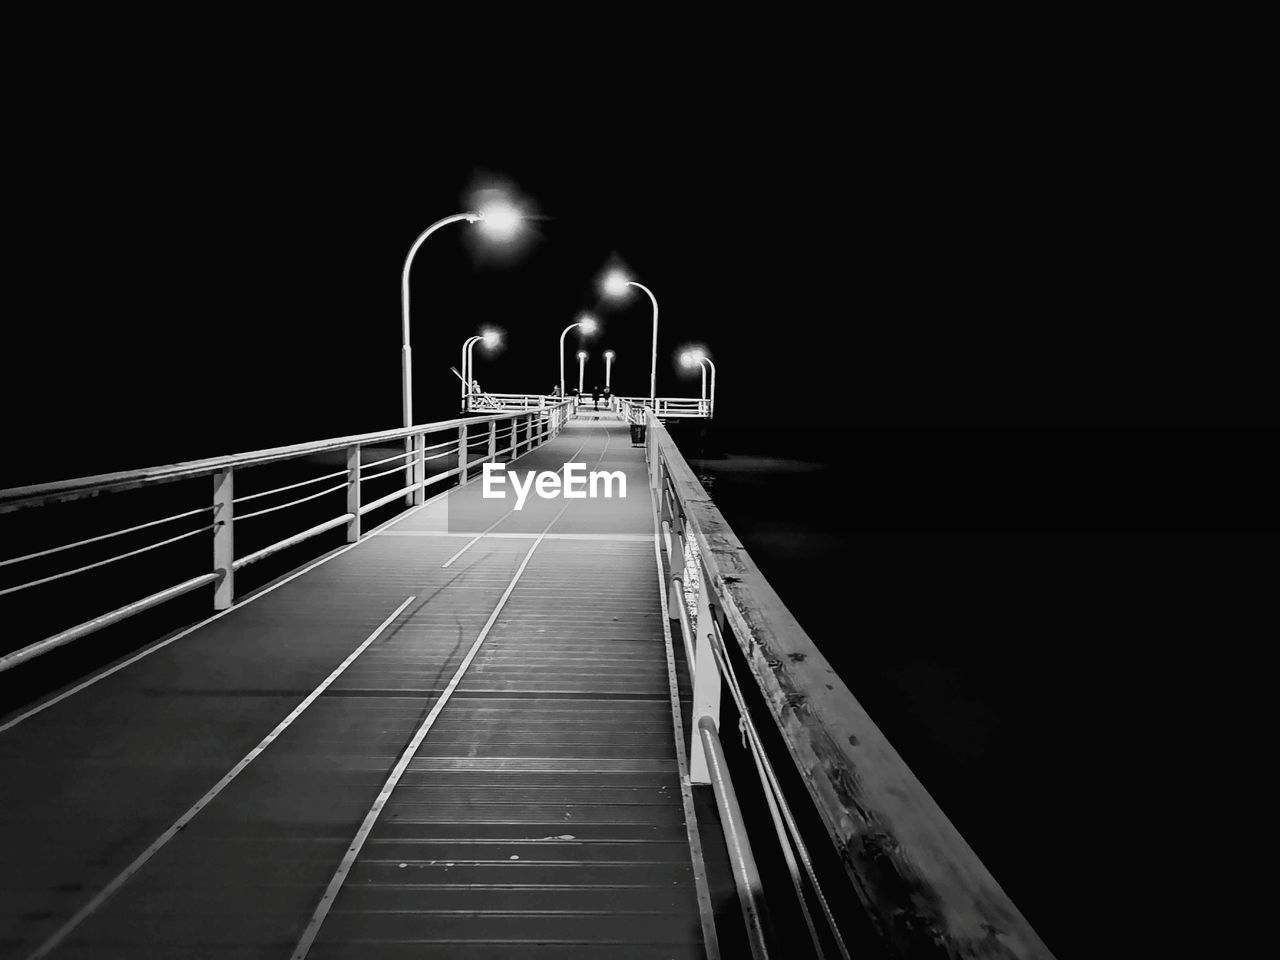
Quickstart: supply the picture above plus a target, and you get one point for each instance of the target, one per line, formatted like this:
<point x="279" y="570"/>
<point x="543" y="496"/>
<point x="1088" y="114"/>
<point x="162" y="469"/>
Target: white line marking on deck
<point x="123" y="877"/>
<point x="402" y="764"/>
<point x="479" y="536"/>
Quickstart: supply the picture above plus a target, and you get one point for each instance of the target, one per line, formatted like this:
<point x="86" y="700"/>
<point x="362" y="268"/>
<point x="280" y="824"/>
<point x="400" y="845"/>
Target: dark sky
<point x="226" y="276"/>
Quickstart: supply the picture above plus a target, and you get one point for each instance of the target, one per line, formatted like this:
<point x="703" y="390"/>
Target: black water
<point x="1015" y="610"/>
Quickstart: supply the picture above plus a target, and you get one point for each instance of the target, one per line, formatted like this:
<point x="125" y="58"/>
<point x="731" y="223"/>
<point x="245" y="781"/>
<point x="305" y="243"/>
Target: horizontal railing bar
<point x="103" y="563"/>
<point x="105" y="536"/>
<point x="290" y="541"/>
<point x="398" y="456"/>
<point x="24" y="654"/>
<point x="382" y="501"/>
<point x="384" y="473"/>
<point x="16" y="498"/>
<point x="292" y="503"/>
<point x="437" y="477"/>
<point x="292" y="486"/>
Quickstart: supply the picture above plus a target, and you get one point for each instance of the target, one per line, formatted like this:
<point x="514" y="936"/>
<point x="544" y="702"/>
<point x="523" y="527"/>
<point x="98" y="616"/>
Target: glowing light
<point x="609" y="354"/>
<point x="582" y="354"/>
<point x="491" y="338"/>
<point x="500" y="219"/>
<point x="615" y="284"/>
<point x="588" y="323"/>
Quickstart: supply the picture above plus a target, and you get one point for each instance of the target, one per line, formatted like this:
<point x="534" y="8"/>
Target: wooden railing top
<point x="15" y="498"/>
<point x="917" y="876"/>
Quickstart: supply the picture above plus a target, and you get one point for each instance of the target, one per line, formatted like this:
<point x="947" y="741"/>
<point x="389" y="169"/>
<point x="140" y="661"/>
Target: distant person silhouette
<point x="595" y="395"/>
<point x="607" y="394"/>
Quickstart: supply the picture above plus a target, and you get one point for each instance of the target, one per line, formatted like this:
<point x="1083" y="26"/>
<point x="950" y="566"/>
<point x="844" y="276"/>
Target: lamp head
<point x="615" y="284"/>
<point x="691" y="358"/>
<point x="588" y="323"/>
<point x="582" y="354"/>
<point x="609" y="354"/>
<point x="491" y="338"/>
<point x="499" y="219"/>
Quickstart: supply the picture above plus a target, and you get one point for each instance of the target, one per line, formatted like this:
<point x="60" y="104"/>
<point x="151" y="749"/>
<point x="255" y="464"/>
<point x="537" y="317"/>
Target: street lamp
<point x="582" y="365"/>
<point x="608" y="366"/>
<point x="499" y="220"/>
<point x="588" y="325"/>
<point x="491" y="339"/>
<point x="691" y="357"/>
<point x="615" y="285"/>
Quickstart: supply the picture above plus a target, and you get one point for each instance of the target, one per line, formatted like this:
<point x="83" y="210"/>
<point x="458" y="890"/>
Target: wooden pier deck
<point x="456" y="738"/>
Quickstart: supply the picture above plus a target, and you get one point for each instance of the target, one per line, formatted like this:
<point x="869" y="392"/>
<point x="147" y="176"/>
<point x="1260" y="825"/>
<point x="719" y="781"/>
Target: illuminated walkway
<point x="433" y="744"/>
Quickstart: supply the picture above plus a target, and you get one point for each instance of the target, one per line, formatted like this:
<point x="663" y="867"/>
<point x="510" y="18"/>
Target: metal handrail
<point x="539" y="425"/>
<point x="921" y="885"/>
<point x="16" y="498"/>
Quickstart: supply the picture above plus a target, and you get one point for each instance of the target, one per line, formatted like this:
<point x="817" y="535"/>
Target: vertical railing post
<point x="224" y="542"/>
<point x="408" y="469"/>
<point x="706" y="678"/>
<point x="353" y="493"/>
<point x="462" y="453"/>
<point x="655" y="474"/>
<point x="419" y="494"/>
<point x="514" y="429"/>
<point x="493" y="441"/>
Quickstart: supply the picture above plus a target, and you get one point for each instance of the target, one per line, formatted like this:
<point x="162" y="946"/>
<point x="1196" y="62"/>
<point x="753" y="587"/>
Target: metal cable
<point x="770" y="781"/>
<point x="105" y="536"/>
<point x="292" y="486"/>
<point x="291" y="503"/>
<point x="103" y="563"/>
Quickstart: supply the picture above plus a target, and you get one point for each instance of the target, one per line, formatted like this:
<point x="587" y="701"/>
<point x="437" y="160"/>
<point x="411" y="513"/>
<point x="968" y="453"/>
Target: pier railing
<point x="922" y="886"/>
<point x="465" y="443"/>
<point x="666" y="407"/>
<point x="670" y="407"/>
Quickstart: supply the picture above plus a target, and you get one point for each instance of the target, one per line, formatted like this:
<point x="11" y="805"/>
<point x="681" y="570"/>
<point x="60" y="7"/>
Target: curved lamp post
<point x="499" y="220"/>
<point x="608" y="366"/>
<point x="588" y="325"/>
<point x="582" y="365"/>
<point x="615" y="285"/>
<point x="491" y="339"/>
<point x="689" y="358"/>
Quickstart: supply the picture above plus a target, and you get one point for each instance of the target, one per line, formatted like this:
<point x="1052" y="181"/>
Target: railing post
<point x="419" y="494"/>
<point x="462" y="453"/>
<point x="353" y="493"/>
<point x="408" y="470"/>
<point x="493" y="441"/>
<point x="224" y="543"/>
<point x="746" y="875"/>
<point x="514" y="428"/>
<point x="655" y="474"/>
<point x="706" y="678"/>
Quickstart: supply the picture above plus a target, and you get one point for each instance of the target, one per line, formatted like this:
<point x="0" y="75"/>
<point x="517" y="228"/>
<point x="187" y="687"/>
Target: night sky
<point x="971" y="304"/>
<point x="227" y="276"/>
